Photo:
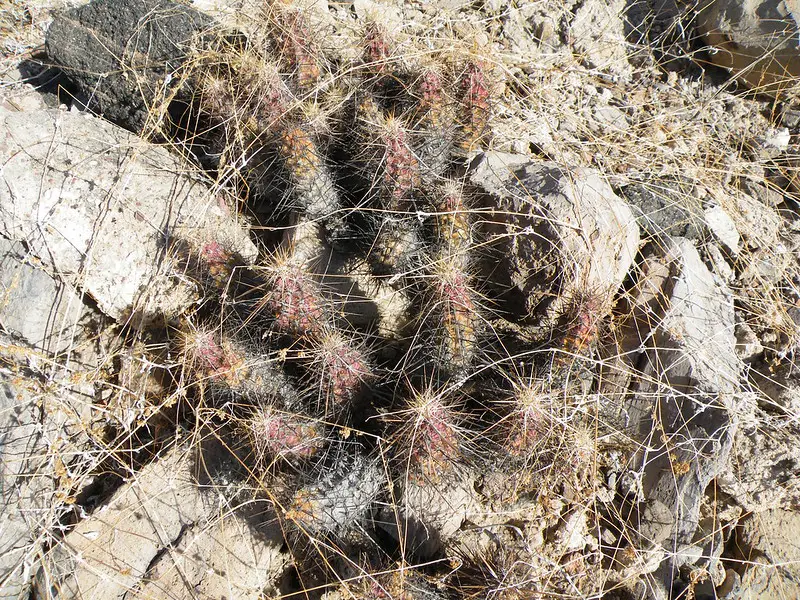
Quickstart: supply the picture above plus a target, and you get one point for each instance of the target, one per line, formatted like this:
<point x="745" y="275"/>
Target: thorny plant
<point x="366" y="373"/>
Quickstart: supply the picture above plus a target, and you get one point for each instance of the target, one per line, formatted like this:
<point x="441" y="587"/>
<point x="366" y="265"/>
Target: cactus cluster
<point x="357" y="173"/>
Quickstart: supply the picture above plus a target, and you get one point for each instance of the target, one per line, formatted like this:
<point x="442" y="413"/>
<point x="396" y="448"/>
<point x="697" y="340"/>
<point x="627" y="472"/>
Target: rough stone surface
<point x="722" y="228"/>
<point x="756" y="40"/>
<point x="665" y="208"/>
<point x="771" y="551"/>
<point x="551" y="223"/>
<point x="161" y="536"/>
<point x="100" y="207"/>
<point x="45" y="458"/>
<point x="36" y="306"/>
<point x="765" y="464"/>
<point x="599" y="34"/>
<point x="122" y="55"/>
<point x="23" y="499"/>
<point x="684" y="408"/>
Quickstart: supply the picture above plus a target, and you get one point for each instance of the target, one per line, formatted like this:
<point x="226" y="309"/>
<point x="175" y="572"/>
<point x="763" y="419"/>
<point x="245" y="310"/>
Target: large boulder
<point x="123" y="55"/>
<point x="558" y="231"/>
<point x="101" y="208"/>
<point x="756" y="40"/>
<point x="161" y="535"/>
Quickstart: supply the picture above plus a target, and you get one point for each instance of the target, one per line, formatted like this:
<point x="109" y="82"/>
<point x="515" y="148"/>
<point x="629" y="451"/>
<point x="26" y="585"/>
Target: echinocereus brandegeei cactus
<point x="355" y="162"/>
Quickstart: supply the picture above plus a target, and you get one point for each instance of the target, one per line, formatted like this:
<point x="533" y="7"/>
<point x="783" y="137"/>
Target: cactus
<point x="428" y="441"/>
<point x="314" y="191"/>
<point x="402" y="583"/>
<point x="277" y="434"/>
<point x="475" y="106"/>
<point x="450" y="317"/>
<point x="293" y="297"/>
<point x="340" y="499"/>
<point x="341" y="370"/>
<point x="228" y="368"/>
<point x="528" y="423"/>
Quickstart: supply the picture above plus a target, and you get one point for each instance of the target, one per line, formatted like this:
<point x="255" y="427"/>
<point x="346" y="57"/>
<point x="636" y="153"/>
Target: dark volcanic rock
<point x="122" y="55"/>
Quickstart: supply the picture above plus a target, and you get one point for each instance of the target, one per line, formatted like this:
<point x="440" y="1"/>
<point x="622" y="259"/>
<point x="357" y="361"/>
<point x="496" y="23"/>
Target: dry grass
<point x="538" y="420"/>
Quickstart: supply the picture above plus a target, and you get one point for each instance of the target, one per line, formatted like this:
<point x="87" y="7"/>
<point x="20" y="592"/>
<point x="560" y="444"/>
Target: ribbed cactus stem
<point x="338" y="501"/>
<point x="314" y="192"/>
<point x="475" y="106"/>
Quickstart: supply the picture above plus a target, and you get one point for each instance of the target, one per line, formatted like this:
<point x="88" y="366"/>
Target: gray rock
<point x="25" y="498"/>
<point x="123" y="54"/>
<point x="666" y="208"/>
<point x="684" y="409"/>
<point x="598" y="35"/>
<point x="756" y="41"/>
<point x="45" y="458"/>
<point x="100" y="208"/>
<point x="555" y="226"/>
<point x="160" y="535"/>
<point x="35" y="306"/>
<point x="765" y="464"/>
<point x="723" y="228"/>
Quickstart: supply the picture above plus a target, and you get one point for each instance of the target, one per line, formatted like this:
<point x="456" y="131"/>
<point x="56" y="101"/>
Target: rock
<point x="100" y="207"/>
<point x="35" y="306"/>
<point x="433" y="514"/>
<point x="46" y="457"/>
<point x="684" y="408"/>
<point x="25" y="499"/>
<point x="160" y="535"/>
<point x="666" y="208"/>
<point x="770" y="551"/>
<point x="748" y="347"/>
<point x="598" y="36"/>
<point x="123" y="55"/>
<point x="772" y="143"/>
<point x="722" y="228"/>
<point x="555" y="226"/>
<point x="765" y="465"/>
<point x="756" y="41"/>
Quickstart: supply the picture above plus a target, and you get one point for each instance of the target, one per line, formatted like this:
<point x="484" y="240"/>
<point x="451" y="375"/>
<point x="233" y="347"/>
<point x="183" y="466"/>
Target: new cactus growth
<point x="529" y="421"/>
<point x="293" y="298"/>
<point x="278" y="434"/>
<point x="297" y="46"/>
<point x="341" y="367"/>
<point x="429" y="440"/>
